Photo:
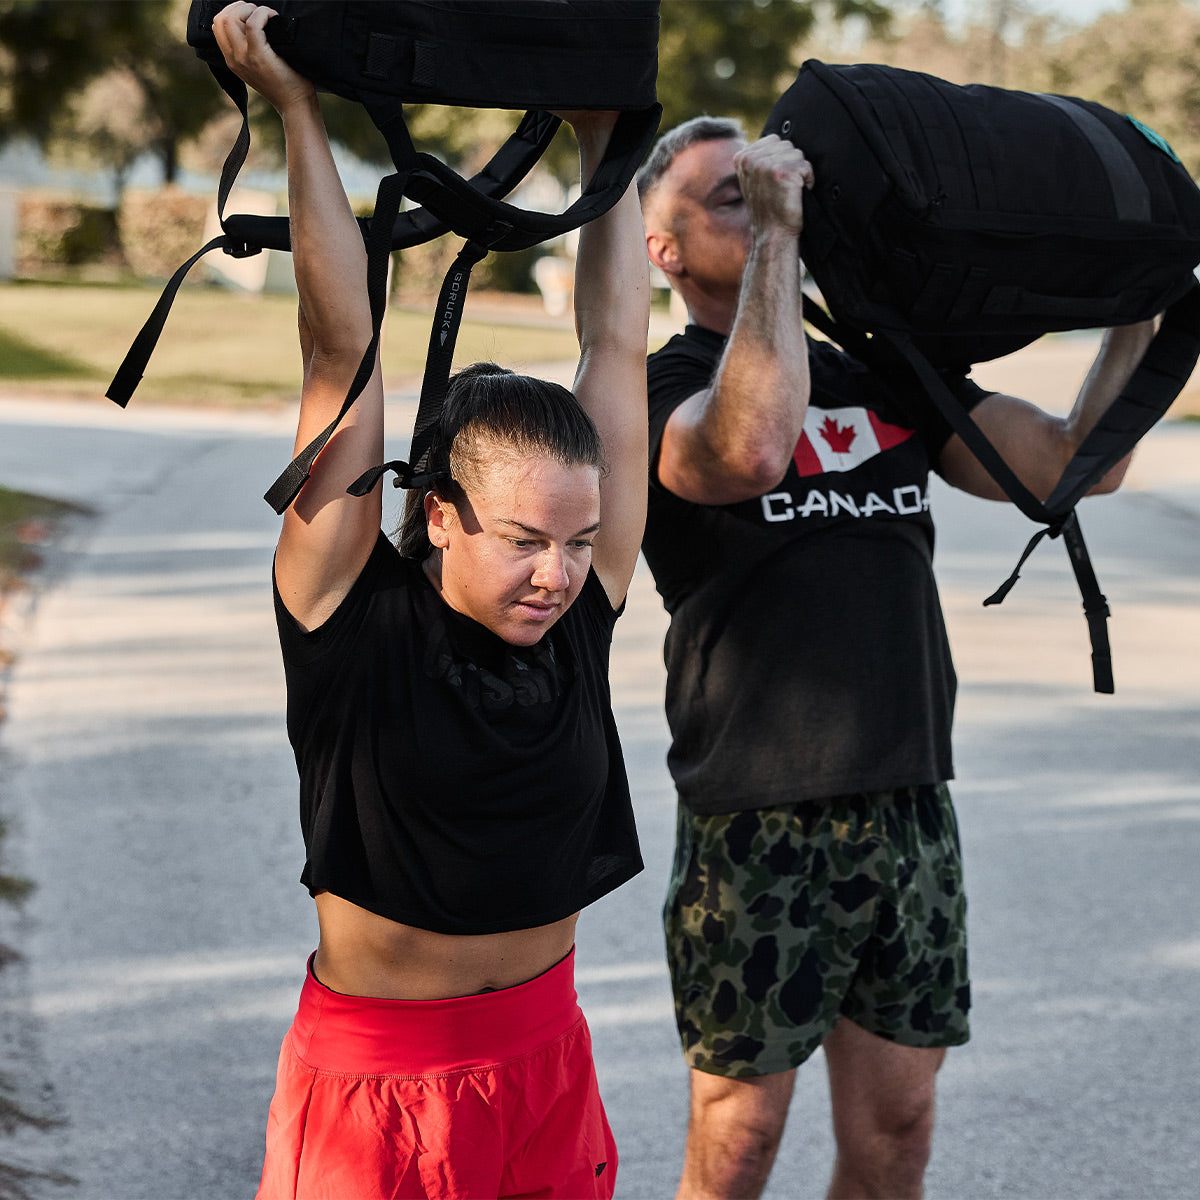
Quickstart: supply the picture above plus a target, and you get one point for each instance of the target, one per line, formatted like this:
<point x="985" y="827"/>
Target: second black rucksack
<point x="950" y="225"/>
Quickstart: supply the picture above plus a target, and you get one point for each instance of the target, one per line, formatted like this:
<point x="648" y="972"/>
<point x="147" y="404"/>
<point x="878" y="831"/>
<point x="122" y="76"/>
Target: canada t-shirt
<point x="807" y="654"/>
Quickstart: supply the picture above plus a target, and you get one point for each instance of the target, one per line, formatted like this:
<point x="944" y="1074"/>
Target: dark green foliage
<point x="733" y="58"/>
<point x="50" y="50"/>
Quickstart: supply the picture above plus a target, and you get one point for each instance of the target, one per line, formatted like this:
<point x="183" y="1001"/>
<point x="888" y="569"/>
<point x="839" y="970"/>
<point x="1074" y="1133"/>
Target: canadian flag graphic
<point x="841" y="439"/>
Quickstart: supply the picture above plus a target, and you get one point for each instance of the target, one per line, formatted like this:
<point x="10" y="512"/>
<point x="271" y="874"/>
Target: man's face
<point x="701" y="205"/>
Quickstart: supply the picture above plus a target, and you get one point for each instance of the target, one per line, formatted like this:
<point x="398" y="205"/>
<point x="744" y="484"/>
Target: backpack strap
<point x="474" y="213"/>
<point x="387" y="204"/>
<point x="450" y="203"/>
<point x="420" y="470"/>
<point x="244" y="234"/>
<point x="427" y="462"/>
<point x="505" y="170"/>
<point x="129" y="373"/>
<point x="487" y="224"/>
<point x="1095" y="605"/>
<point x="1162" y="373"/>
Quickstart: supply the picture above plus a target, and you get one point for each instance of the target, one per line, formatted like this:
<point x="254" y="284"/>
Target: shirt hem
<point x="781" y="797"/>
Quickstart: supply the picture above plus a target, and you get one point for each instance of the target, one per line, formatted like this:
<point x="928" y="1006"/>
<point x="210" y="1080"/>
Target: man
<point x="817" y="896"/>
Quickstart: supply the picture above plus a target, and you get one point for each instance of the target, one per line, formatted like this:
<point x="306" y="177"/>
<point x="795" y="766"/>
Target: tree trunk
<point x="168" y="154"/>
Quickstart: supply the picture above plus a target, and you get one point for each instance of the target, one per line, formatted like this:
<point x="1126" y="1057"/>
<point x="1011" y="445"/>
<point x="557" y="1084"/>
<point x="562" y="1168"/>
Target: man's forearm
<point x="760" y="392"/>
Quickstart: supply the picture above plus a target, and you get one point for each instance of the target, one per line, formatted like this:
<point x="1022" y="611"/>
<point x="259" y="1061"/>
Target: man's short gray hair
<point x="675" y="141"/>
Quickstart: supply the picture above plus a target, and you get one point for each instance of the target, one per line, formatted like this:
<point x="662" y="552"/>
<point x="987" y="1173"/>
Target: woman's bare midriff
<point x="363" y="954"/>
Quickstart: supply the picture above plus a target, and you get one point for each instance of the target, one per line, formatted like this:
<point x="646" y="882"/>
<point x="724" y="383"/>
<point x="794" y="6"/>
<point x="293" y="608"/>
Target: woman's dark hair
<point x="488" y="406"/>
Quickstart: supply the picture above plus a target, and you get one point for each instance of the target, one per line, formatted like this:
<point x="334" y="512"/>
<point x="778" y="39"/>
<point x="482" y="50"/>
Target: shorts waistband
<point x="369" y="1035"/>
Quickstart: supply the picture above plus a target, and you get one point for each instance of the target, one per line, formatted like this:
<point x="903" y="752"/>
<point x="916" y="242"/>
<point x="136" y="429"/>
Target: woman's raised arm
<point x="612" y="312"/>
<point x="327" y="535"/>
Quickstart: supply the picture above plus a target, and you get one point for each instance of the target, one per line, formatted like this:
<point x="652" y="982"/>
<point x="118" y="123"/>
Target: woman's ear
<point x="439" y="516"/>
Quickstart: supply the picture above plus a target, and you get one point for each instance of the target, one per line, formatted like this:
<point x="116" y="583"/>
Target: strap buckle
<point x="241" y="248"/>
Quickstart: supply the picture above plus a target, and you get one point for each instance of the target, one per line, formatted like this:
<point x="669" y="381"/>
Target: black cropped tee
<point x="449" y="780"/>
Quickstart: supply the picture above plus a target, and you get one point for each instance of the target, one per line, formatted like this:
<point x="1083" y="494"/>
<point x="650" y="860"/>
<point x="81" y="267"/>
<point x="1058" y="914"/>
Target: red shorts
<point x="481" y="1097"/>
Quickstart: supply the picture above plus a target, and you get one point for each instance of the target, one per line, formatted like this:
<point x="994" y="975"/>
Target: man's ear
<point x="663" y="251"/>
<point x="439" y="516"/>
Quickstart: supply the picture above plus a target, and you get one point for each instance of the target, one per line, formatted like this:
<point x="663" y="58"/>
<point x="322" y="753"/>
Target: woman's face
<point x="515" y="554"/>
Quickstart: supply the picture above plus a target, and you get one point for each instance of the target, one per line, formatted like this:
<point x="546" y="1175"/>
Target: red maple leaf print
<point x="839" y="437"/>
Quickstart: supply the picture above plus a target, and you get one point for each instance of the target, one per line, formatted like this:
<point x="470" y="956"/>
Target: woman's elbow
<point x="333" y="357"/>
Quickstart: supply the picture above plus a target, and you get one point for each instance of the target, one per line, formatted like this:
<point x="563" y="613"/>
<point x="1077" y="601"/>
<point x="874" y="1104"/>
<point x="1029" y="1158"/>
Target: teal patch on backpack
<point x="1155" y="139"/>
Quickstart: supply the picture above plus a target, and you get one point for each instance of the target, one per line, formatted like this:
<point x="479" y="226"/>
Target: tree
<point x="729" y="57"/>
<point x="735" y="57"/>
<point x="1141" y="60"/>
<point x="53" y="51"/>
<point x="48" y="52"/>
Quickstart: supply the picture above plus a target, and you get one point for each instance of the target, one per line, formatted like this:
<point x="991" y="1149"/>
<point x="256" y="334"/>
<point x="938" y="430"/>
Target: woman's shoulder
<point x="386" y="571"/>
<point x="593" y="610"/>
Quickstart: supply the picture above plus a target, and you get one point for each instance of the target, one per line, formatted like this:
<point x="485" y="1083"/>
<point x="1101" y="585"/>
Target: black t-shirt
<point x="807" y="654"/>
<point x="448" y="779"/>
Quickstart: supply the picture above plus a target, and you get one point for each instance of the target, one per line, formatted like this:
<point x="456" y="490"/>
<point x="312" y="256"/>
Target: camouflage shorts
<point x="781" y="920"/>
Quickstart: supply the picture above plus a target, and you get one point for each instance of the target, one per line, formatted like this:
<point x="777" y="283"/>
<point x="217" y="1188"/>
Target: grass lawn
<point x="221" y="347"/>
<point x="218" y="347"/>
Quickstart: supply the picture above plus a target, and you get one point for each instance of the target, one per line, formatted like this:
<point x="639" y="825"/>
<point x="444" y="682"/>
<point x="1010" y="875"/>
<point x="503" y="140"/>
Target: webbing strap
<point x="387" y="204"/>
<point x="133" y="366"/>
<point x="518" y="155"/>
<point x="1095" y="606"/>
<point x="966" y="428"/>
<point x="1162" y="374"/>
<point x="1131" y="197"/>
<point x="421" y="468"/>
<point x="470" y="208"/>
<point x="1164" y="369"/>
<point x="479" y="216"/>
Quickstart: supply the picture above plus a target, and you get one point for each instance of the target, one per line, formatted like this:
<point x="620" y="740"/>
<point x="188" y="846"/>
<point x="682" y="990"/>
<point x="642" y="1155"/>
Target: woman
<point x="462" y="789"/>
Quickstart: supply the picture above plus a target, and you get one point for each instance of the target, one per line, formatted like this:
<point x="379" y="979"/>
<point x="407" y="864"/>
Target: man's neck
<point x="711" y="313"/>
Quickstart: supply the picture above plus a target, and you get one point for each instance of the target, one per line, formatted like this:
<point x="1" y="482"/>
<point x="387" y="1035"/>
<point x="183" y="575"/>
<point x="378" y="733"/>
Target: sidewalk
<point x="151" y="790"/>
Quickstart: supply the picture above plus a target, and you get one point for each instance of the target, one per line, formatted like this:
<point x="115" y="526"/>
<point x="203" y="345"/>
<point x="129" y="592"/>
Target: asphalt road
<point x="150" y="791"/>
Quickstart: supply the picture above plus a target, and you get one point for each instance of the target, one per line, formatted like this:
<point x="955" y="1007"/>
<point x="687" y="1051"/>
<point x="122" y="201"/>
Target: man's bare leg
<point x="883" y="1106"/>
<point x="734" y="1127"/>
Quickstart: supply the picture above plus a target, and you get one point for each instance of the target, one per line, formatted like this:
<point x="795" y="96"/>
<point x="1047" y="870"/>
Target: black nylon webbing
<point x="420" y="469"/>
<point x="133" y="366"/>
<point x="379" y="243"/>
<point x="471" y="208"/>
<point x="1162" y="374"/>
<point x="1060" y="517"/>
<point x="478" y="216"/>
<point x="1095" y="606"/>
<point x="963" y="424"/>
<point x="1131" y="197"/>
<point x="1165" y="368"/>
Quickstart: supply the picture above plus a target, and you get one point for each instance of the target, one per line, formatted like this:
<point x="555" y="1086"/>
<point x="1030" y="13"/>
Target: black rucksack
<point x="953" y="224"/>
<point x="537" y="55"/>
